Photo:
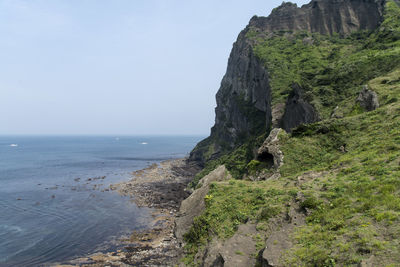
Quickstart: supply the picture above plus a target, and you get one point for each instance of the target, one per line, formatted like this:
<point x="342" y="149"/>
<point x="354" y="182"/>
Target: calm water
<point x="53" y="203"/>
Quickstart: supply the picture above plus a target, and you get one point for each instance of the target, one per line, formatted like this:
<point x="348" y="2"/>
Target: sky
<point x="132" y="67"/>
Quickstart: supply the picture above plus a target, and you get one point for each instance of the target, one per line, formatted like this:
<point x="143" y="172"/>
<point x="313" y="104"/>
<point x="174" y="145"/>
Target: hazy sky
<point x="116" y="66"/>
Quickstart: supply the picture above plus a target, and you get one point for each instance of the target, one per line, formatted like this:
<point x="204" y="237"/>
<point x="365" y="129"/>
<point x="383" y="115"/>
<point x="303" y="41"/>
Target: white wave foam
<point x="11" y="228"/>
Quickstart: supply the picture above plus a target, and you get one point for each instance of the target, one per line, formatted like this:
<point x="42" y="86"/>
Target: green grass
<point x="358" y="202"/>
<point x="331" y="69"/>
<point x="353" y="202"/>
<point x="236" y="161"/>
<point x="232" y="203"/>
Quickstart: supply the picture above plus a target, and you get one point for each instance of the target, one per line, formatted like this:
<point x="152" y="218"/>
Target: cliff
<point x="307" y="125"/>
<point x="323" y="16"/>
<point x="244" y="98"/>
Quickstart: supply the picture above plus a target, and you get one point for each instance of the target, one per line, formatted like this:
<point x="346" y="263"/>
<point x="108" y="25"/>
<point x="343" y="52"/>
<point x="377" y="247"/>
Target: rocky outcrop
<point x="323" y="16"/>
<point x="244" y="98"/>
<point x="368" y="99"/>
<point x="297" y="110"/>
<point x="236" y="251"/>
<point x="277" y="113"/>
<point x="270" y="151"/>
<point x="194" y="205"/>
<point x="280" y="240"/>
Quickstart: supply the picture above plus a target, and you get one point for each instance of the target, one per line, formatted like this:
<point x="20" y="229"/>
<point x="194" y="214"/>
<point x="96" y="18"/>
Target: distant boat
<point x="144" y="143"/>
<point x="14" y="145"/>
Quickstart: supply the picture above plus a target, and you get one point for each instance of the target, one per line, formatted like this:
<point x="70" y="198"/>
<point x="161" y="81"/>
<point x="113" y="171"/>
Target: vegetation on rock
<point x="344" y="172"/>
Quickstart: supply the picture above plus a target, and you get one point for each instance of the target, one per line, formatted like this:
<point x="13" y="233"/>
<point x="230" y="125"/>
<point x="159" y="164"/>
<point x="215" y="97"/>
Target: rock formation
<point x="297" y="110"/>
<point x="270" y="151"/>
<point x="368" y="99"/>
<point x="323" y="16"/>
<point x="244" y="98"/>
<point x="243" y="102"/>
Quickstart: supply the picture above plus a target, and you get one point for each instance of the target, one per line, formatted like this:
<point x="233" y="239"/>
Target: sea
<point x="55" y="197"/>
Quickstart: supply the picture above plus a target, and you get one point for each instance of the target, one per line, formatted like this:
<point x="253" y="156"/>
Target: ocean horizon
<point x="55" y="198"/>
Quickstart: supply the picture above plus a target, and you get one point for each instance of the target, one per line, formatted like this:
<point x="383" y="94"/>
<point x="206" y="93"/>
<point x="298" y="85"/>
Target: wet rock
<point x="368" y="99"/>
<point x="113" y="187"/>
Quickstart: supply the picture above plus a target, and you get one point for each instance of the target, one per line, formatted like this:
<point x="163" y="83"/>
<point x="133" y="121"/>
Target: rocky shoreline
<point x="161" y="187"/>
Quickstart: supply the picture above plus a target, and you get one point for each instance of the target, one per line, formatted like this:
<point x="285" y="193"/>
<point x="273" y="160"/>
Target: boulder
<point x="368" y="99"/>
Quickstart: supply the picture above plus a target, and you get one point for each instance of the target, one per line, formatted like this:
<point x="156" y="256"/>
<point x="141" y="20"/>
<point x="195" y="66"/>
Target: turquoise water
<point x="53" y="203"/>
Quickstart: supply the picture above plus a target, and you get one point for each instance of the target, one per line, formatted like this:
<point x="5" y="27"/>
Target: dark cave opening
<point x="266" y="158"/>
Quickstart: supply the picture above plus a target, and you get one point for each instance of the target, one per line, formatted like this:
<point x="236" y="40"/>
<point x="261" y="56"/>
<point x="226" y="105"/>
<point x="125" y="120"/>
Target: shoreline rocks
<point x="159" y="187"/>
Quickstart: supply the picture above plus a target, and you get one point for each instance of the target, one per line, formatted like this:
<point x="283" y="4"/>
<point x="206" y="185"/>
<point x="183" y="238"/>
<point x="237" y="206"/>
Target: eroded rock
<point x="270" y="151"/>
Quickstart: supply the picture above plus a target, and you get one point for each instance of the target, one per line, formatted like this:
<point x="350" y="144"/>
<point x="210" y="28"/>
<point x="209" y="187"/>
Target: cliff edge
<point x="244" y="99"/>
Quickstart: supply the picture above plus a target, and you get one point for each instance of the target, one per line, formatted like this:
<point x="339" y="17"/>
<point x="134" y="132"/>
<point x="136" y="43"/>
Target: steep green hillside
<point x="344" y="172"/>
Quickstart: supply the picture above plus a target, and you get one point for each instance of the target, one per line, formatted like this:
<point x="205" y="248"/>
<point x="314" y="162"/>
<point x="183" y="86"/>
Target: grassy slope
<point x="330" y="68"/>
<point x="355" y="202"/>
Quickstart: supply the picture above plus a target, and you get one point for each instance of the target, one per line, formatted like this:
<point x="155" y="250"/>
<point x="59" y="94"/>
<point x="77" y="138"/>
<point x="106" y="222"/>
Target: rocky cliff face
<point x="243" y="103"/>
<point x="323" y="16"/>
<point x="244" y="98"/>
